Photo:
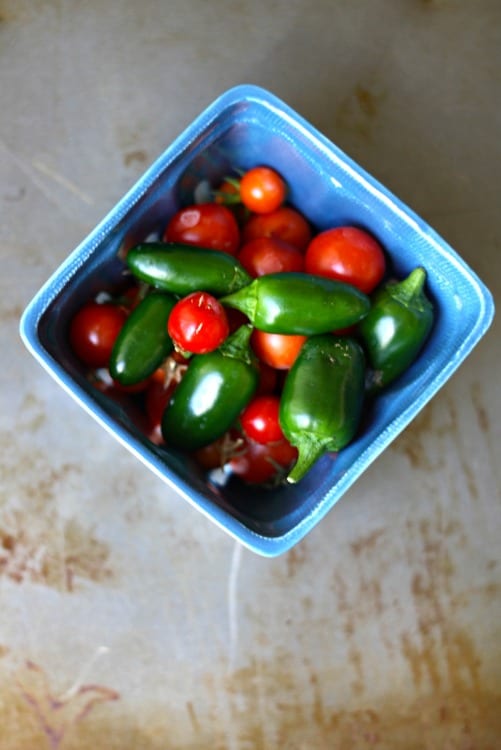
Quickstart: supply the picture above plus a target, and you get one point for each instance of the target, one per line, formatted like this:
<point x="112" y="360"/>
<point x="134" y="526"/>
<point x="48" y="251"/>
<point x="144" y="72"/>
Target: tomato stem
<point x="227" y="199"/>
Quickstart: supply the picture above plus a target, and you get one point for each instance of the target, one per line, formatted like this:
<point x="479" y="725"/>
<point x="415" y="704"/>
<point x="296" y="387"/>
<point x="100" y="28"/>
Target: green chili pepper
<point x="396" y="328"/>
<point x="299" y="303"/>
<point x="322" y="399"/>
<point x="181" y="269"/>
<point x="143" y="342"/>
<point x="211" y="395"/>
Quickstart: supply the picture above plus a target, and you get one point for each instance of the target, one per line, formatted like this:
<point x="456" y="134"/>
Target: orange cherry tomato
<point x="262" y="190"/>
<point x="276" y="349"/>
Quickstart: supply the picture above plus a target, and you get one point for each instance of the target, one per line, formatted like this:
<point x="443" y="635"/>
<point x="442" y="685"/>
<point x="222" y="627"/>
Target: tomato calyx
<point x="171" y="371"/>
<point x="228" y="193"/>
<point x="260" y="189"/>
<point x="264" y="464"/>
<point x="218" y="454"/>
<point x="162" y="385"/>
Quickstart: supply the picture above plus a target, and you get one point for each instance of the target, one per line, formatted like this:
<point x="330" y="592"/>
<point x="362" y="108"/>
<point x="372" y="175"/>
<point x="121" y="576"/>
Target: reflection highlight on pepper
<point x="203" y="400"/>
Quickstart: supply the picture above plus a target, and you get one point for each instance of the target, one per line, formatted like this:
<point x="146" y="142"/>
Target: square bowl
<point x="244" y="127"/>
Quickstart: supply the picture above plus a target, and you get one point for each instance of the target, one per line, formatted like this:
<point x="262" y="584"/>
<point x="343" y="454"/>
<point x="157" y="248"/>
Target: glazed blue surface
<point x="244" y="127"/>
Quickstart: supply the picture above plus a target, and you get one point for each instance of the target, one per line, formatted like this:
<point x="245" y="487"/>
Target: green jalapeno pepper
<point x="143" y="342"/>
<point x="322" y="399"/>
<point x="396" y="328"/>
<point x="181" y="269"/>
<point x="211" y="395"/>
<point x="299" y="303"/>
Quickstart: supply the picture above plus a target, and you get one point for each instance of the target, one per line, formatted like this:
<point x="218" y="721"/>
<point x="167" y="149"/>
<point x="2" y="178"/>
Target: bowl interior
<point x="243" y="128"/>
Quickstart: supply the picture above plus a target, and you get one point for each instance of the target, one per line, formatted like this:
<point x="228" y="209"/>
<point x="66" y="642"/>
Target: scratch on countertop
<point x="61" y="180"/>
<point x="35" y="167"/>
<point x="84" y="673"/>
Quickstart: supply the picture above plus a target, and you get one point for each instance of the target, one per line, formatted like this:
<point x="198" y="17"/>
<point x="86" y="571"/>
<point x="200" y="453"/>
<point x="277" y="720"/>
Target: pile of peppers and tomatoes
<point x="249" y="340"/>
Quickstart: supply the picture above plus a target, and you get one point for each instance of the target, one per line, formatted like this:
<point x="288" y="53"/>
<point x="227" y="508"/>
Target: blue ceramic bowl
<point x="244" y="127"/>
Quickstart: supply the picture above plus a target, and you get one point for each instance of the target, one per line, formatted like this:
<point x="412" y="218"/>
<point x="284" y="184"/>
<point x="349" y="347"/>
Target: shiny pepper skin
<point x="143" y="342"/>
<point x="211" y="395"/>
<point x="396" y="328"/>
<point x="322" y="399"/>
<point x="181" y="269"/>
<point x="299" y="303"/>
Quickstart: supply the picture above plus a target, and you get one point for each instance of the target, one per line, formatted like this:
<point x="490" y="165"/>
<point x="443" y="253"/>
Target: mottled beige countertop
<point x="127" y="620"/>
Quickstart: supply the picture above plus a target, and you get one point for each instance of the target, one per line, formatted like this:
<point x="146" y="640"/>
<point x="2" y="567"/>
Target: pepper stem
<point x="411" y="288"/>
<point x="244" y="299"/>
<point x="237" y="344"/>
<point x="309" y="451"/>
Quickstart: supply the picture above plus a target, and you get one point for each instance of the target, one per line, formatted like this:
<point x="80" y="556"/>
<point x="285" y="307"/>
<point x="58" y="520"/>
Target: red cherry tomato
<point x="156" y="398"/>
<point x="260" y="464"/>
<point x="347" y="254"/>
<point x="259" y="420"/>
<point x="270" y="255"/>
<point x="210" y="456"/>
<point x="285" y="224"/>
<point x="276" y="349"/>
<point x="209" y="225"/>
<point x="262" y="190"/>
<point x="93" y="331"/>
<point x="198" y="323"/>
